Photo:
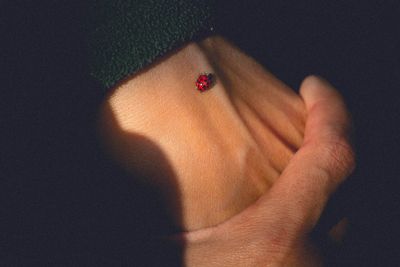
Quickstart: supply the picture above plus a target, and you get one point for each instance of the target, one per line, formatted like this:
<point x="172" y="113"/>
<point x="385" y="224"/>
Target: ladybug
<point x="204" y="81"/>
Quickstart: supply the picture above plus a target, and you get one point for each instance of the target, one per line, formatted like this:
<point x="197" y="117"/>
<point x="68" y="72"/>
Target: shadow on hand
<point x="67" y="203"/>
<point x="134" y="209"/>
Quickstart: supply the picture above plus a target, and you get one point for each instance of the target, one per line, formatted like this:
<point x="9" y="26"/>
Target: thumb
<point x="323" y="161"/>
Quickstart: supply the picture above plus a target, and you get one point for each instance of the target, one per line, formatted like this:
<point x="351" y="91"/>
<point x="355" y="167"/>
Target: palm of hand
<point x="223" y="150"/>
<point x="225" y="146"/>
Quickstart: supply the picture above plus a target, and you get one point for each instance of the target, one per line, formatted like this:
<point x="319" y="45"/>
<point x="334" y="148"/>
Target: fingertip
<point x="311" y="78"/>
<point x="314" y="88"/>
<point x="313" y="81"/>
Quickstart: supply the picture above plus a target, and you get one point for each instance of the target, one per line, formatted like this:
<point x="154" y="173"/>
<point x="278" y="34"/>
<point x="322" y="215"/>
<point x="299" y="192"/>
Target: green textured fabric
<point x="127" y="35"/>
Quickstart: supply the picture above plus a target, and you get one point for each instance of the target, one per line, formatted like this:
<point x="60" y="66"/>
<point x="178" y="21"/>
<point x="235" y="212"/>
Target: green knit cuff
<point x="131" y="34"/>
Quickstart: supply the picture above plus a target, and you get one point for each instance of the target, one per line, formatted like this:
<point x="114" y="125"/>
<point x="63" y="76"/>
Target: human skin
<point x="226" y="146"/>
<point x="253" y="161"/>
<point x="274" y="231"/>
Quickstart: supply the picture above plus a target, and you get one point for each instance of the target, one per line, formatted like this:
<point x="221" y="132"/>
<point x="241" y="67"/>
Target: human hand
<point x="274" y="230"/>
<point x="225" y="146"/>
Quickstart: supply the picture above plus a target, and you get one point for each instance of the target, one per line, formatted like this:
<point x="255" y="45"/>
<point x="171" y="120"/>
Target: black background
<point x="61" y="208"/>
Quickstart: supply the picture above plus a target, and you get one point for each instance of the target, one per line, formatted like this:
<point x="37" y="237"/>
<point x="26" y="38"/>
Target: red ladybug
<point x="204" y="81"/>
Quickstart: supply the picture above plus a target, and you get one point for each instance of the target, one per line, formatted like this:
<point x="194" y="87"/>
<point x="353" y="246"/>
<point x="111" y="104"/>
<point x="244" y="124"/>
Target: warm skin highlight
<point x="226" y="145"/>
<point x="254" y="163"/>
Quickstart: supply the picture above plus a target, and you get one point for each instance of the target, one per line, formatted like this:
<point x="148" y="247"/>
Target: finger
<point x="323" y="161"/>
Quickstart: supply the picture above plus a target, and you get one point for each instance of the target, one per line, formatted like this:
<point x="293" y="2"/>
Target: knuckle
<point x="341" y="158"/>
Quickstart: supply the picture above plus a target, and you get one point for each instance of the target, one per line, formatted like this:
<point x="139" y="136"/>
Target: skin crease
<point x="226" y="145"/>
<point x="274" y="230"/>
<point x="227" y="148"/>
